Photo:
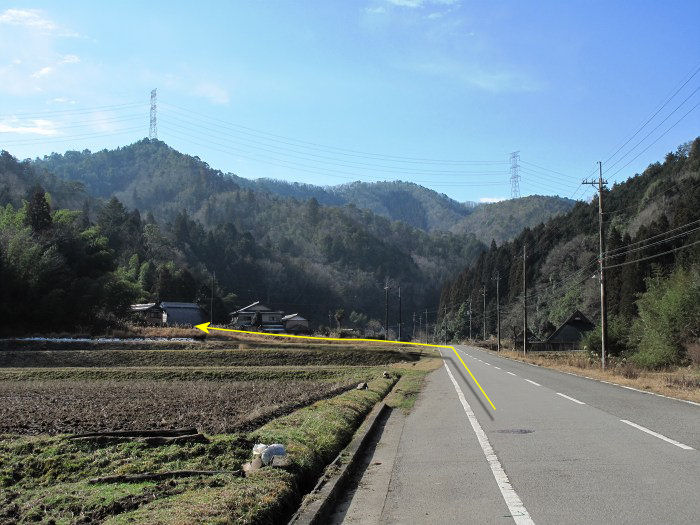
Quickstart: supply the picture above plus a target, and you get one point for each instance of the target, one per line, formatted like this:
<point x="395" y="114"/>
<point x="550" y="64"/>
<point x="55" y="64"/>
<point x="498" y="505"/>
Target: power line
<point x="653" y="256"/>
<point x="611" y="252"/>
<point x="653" y="130"/>
<point x="341" y="151"/>
<point x="654" y="114"/>
<point x="657" y="139"/>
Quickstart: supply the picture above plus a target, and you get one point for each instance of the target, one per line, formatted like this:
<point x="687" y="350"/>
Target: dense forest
<point x="73" y="254"/>
<point x="653" y="286"/>
<point x="149" y="175"/>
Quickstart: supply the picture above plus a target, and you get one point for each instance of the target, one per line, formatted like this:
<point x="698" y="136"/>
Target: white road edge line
<point x="571" y="398"/>
<point x="515" y="505"/>
<point x="497" y="367"/>
<point x="530" y="381"/>
<point x="656" y="434"/>
<point x="602" y="381"/>
<point x="511" y="373"/>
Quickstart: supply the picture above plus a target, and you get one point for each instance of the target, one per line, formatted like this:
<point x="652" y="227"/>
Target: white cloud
<point x="62" y="100"/>
<point x="27" y="18"/>
<point x="69" y="59"/>
<point x="491" y="199"/>
<point x="42" y="72"/>
<point x="34" y="19"/>
<point x="214" y="92"/>
<point x="34" y="127"/>
<point x="375" y="10"/>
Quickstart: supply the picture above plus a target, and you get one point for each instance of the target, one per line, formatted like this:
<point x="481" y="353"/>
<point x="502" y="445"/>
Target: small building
<point x="572" y="330"/>
<point x="182" y="314"/>
<point x="147" y="313"/>
<point x="257" y="315"/>
<point x="295" y="324"/>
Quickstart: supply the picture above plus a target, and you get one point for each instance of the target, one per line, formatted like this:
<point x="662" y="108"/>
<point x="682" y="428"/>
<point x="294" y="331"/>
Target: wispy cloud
<point x="490" y="200"/>
<point x="31" y="127"/>
<point x="36" y="20"/>
<point x="414" y="4"/>
<point x="496" y="79"/>
<point x="44" y="71"/>
<point x="213" y="92"/>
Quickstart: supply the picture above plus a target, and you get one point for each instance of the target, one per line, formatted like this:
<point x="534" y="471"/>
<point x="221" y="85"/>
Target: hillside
<point x="181" y="222"/>
<point x="654" y="213"/>
<point x="502" y="221"/>
<point x="149" y="175"/>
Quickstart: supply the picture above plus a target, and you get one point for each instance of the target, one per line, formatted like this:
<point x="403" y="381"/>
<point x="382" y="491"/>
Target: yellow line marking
<point x="204" y="327"/>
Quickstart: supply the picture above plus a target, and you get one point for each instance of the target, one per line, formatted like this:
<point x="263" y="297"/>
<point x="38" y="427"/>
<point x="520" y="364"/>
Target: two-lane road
<point x="558" y="449"/>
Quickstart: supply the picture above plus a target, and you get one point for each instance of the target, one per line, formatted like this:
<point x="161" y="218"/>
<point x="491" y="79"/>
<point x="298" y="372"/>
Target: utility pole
<point x="426" y="326"/>
<point x="498" y="310"/>
<point x="386" y="310"/>
<point x="524" y="300"/>
<point x="211" y="310"/>
<point x="470" y="319"/>
<point x="483" y="292"/>
<point x="603" y="303"/>
<point x="413" y="333"/>
<point x="400" y="321"/>
<point x="444" y="324"/>
<point x="420" y="324"/>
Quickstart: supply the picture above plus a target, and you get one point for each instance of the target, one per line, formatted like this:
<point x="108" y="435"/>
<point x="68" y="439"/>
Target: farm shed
<point x="182" y="314"/>
<point x="255" y="315"/>
<point x="294" y="323"/>
<point x="572" y="330"/>
<point x="147" y="313"/>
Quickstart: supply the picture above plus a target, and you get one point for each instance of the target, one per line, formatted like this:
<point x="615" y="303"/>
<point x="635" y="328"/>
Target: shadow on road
<point x="468" y="381"/>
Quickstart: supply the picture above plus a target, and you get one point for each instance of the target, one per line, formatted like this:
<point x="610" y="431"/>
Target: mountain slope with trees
<point x="652" y="239"/>
<point x="150" y="175"/>
<point x="299" y="256"/>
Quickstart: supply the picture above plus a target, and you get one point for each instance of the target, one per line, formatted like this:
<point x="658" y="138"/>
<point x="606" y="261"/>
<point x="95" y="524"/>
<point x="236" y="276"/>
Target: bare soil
<point x="58" y="407"/>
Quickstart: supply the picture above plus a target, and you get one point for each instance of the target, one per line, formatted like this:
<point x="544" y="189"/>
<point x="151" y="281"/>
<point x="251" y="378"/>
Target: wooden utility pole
<point x="498" y="311"/>
<point x="420" y="325"/>
<point x="400" y="320"/>
<point x="426" y="326"/>
<point x="603" y="303"/>
<point x="524" y="300"/>
<point x="211" y="309"/>
<point x="444" y="323"/>
<point x="413" y="333"/>
<point x="470" y="318"/>
<point x="386" y="311"/>
<point x="483" y="292"/>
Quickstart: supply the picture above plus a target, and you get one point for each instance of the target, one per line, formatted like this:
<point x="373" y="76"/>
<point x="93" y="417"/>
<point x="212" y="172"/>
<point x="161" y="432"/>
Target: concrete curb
<point x="319" y="502"/>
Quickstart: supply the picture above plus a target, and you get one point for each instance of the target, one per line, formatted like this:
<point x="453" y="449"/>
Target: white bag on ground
<point x="270" y="452"/>
<point x="259" y="449"/>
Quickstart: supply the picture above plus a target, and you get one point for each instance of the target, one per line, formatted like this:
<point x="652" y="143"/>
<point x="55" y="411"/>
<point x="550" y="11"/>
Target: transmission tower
<point x="153" y="130"/>
<point x="514" y="175"/>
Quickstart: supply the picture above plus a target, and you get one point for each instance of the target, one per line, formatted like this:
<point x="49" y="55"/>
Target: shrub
<point x="618" y="335"/>
<point x="669" y="319"/>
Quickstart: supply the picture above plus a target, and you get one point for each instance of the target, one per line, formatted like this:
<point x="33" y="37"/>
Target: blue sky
<point x="329" y="92"/>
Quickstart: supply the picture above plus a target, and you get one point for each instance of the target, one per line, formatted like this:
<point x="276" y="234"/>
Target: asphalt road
<point x="558" y="449"/>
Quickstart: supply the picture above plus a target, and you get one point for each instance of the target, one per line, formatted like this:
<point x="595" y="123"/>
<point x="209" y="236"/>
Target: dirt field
<point x="60" y="407"/>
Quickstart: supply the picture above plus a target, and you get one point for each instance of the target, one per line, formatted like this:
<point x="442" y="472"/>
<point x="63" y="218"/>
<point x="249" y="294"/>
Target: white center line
<point x="515" y="505"/>
<point x="571" y="398"/>
<point x="511" y="373"/>
<point x="656" y="434"/>
<point x="497" y="367"/>
<point x="536" y="384"/>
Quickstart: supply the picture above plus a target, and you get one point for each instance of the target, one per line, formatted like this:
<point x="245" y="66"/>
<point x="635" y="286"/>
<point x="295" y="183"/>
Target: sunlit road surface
<point x="559" y="449"/>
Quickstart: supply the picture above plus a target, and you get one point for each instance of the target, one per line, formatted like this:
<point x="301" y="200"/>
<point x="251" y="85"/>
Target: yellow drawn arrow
<point x="204" y="327"/>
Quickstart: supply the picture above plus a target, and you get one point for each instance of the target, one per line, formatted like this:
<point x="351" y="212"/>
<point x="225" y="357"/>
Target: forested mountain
<point x="151" y="175"/>
<point x="653" y="301"/>
<point x="181" y="227"/>
<point x="501" y="221"/>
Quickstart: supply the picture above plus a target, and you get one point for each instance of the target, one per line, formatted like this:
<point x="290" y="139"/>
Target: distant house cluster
<point x="258" y="317"/>
<point x="168" y="313"/>
<point x="254" y="317"/>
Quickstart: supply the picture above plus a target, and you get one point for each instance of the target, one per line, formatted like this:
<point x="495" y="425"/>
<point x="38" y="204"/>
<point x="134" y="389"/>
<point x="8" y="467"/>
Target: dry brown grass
<point x="683" y="383"/>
